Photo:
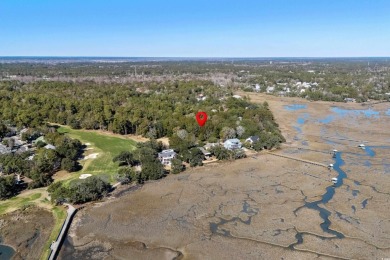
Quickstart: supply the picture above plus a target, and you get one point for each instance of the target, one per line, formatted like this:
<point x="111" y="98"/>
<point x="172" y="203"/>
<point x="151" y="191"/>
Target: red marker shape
<point x="201" y="117"/>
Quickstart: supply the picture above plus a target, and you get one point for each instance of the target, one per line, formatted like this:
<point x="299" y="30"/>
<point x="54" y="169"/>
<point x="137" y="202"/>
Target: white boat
<point x="334" y="180"/>
<point x="362" y="146"/>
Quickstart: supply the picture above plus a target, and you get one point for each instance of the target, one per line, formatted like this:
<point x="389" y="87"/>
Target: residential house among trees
<point x="232" y="144"/>
<point x="50" y="146"/>
<point x="4" y="149"/>
<point x="208" y="146"/>
<point x="347" y="100"/>
<point x="201" y="97"/>
<point x="252" y="139"/>
<point x="270" y="89"/>
<point x="166" y="156"/>
<point x="206" y="153"/>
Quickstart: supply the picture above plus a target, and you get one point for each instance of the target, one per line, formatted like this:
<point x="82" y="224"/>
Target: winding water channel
<point x="338" y="163"/>
<point x="216" y="228"/>
<point x="328" y="195"/>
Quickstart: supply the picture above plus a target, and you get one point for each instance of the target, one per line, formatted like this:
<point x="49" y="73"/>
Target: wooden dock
<point x="56" y="245"/>
<point x="298" y="159"/>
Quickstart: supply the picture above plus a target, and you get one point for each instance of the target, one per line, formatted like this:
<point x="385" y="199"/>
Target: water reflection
<point x="294" y="107"/>
<point x="341" y="112"/>
<point x="6" y="252"/>
<point x="328" y="195"/>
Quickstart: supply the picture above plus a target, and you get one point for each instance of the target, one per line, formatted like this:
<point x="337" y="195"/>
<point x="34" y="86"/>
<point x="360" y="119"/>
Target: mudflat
<point x="264" y="206"/>
<point x="27" y="231"/>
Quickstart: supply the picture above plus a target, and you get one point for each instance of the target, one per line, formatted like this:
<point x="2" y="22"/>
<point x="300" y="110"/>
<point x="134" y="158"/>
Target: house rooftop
<point x="167" y="153"/>
<point x="234" y="140"/>
<point x="50" y="146"/>
<point x="41" y="138"/>
<point x="253" y="138"/>
<point x="204" y="151"/>
<point x="4" y="149"/>
<point x="210" y="145"/>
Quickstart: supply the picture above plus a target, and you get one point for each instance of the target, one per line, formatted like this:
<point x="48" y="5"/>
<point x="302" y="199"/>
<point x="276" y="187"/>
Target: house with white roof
<point x="206" y="153"/>
<point x="50" y="146"/>
<point x="232" y="144"/>
<point x="270" y="89"/>
<point x="201" y="97"/>
<point x="208" y="146"/>
<point x="166" y="156"/>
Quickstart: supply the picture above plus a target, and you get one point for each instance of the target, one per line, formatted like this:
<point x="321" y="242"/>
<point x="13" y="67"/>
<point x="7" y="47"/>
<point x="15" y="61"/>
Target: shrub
<point x="125" y="175"/>
<point x="177" y="166"/>
<point x="7" y="187"/>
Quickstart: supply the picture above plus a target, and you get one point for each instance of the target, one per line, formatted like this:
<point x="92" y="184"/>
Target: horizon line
<point x="191" y="57"/>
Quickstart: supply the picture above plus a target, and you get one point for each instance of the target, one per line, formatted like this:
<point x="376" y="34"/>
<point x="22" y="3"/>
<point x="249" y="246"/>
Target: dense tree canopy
<point x="151" y="109"/>
<point x="7" y="187"/>
<point x="153" y="106"/>
<point x="92" y="188"/>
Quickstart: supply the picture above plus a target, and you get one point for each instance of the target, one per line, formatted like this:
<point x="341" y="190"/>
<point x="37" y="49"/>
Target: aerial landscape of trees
<point x="92" y="188"/>
<point x="161" y="109"/>
<point x="39" y="163"/>
<point x="158" y="99"/>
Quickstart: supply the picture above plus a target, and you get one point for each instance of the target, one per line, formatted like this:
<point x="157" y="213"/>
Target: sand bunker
<point x="84" y="176"/>
<point x="91" y="156"/>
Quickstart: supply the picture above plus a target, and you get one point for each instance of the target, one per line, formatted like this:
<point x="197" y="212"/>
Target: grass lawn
<point x="105" y="146"/>
<point x="18" y="202"/>
<point x="59" y="214"/>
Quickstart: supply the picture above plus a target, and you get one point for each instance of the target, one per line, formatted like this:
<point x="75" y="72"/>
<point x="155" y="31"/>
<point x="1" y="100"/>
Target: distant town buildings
<point x="201" y="97"/>
<point x="270" y="89"/>
<point x="286" y="88"/>
<point x="349" y="100"/>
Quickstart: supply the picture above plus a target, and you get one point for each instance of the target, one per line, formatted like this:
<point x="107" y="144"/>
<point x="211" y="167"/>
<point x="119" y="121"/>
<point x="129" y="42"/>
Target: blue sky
<point x="195" y="28"/>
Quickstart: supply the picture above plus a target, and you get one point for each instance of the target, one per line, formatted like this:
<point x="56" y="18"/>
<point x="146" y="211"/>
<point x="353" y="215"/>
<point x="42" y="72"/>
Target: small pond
<point x="342" y="112"/>
<point x="294" y="107"/>
<point x="6" y="252"/>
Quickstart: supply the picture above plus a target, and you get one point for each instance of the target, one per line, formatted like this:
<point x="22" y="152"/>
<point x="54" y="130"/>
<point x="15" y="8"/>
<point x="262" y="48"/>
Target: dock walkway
<point x="56" y="245"/>
<point x="299" y="160"/>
